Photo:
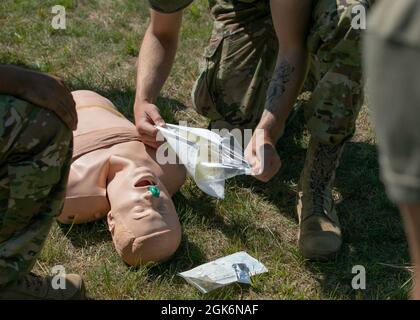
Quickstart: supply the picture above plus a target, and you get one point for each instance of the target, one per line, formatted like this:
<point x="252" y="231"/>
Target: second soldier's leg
<point x="330" y="115"/>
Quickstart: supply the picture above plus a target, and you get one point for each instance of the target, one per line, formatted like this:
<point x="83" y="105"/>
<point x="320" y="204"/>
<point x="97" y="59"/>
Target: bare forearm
<point x="411" y="215"/>
<point x="283" y="90"/>
<point x="155" y="62"/>
<point x="156" y="57"/>
<point x="291" y="20"/>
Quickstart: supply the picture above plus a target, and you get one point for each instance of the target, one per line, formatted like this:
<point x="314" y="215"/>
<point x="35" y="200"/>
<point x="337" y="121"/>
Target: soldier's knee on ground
<point x="155" y="240"/>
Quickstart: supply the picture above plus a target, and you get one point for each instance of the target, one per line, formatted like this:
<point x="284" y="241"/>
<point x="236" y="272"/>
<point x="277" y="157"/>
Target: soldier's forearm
<point x="411" y="215"/>
<point x="155" y="62"/>
<point x="283" y="90"/>
<point x="157" y="55"/>
<point x="291" y="20"/>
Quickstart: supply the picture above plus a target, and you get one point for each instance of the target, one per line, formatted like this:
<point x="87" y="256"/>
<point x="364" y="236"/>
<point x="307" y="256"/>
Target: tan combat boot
<point x="33" y="287"/>
<point x="319" y="229"/>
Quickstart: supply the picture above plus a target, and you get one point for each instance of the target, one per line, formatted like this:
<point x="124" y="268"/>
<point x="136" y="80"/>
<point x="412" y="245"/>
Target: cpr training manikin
<point x="114" y="175"/>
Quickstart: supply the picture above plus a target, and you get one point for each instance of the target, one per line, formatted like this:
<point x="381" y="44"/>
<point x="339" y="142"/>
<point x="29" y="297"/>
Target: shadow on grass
<point x="373" y="234"/>
<point x="87" y="234"/>
<point x="292" y="153"/>
<point x="372" y="231"/>
<point x="187" y="256"/>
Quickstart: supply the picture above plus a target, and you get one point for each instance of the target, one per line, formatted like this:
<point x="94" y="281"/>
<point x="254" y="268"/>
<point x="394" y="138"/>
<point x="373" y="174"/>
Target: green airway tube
<point x="155" y="191"/>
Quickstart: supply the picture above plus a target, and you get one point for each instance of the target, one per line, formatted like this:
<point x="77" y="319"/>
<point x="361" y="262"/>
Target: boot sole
<point x="318" y="256"/>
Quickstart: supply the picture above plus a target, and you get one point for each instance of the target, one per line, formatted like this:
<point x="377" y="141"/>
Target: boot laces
<point x="325" y="163"/>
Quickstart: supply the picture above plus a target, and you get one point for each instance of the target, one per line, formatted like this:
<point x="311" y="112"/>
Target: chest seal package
<point x="209" y="158"/>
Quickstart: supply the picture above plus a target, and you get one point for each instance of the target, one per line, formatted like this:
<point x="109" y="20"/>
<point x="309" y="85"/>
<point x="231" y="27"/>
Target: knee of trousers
<point x="332" y="131"/>
<point x="150" y="240"/>
<point x="333" y="108"/>
<point x="331" y="136"/>
<point x="331" y="128"/>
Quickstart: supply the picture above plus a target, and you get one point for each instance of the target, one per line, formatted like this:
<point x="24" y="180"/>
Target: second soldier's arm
<point x="291" y="22"/>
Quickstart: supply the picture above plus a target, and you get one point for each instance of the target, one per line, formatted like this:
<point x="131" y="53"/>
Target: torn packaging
<point x="209" y="158"/>
<point x="237" y="267"/>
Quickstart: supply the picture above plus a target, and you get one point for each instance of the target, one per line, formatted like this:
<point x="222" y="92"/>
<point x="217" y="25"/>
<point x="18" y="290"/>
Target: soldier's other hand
<point x="147" y="116"/>
<point x="49" y="92"/>
<point x="262" y="155"/>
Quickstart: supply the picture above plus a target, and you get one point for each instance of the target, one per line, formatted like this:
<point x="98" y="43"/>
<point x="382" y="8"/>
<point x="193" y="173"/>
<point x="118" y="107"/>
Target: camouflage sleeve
<point x="169" y="6"/>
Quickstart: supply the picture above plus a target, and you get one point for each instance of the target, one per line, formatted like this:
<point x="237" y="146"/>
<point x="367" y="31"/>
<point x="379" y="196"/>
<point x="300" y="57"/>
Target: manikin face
<point x="128" y="190"/>
<point x="138" y="221"/>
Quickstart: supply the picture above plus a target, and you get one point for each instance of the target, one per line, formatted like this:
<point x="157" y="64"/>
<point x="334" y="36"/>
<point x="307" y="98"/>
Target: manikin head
<point x="116" y="180"/>
<point x="143" y="227"/>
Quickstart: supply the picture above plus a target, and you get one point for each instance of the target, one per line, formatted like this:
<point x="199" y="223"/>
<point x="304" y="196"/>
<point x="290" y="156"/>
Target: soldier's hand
<point x="147" y="116"/>
<point x="262" y="155"/>
<point x="48" y="92"/>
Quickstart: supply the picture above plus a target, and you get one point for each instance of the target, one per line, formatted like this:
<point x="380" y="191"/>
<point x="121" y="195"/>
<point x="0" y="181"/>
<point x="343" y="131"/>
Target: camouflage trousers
<point x="35" y="158"/>
<point x="241" y="56"/>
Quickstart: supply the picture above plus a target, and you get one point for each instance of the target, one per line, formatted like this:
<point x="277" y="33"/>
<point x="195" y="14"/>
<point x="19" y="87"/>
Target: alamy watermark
<point x="359" y="280"/>
<point x="359" y="21"/>
<point x="58" y="281"/>
<point x="58" y="21"/>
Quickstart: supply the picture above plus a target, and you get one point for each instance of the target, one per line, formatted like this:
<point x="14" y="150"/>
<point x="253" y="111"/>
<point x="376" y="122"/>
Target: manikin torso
<point x="87" y="197"/>
<point x="111" y="175"/>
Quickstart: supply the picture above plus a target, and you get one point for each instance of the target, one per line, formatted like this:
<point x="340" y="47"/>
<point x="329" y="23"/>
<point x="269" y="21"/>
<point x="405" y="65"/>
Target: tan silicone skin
<point x="113" y="182"/>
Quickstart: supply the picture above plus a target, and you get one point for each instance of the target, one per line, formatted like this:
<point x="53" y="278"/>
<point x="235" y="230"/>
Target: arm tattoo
<point x="281" y="77"/>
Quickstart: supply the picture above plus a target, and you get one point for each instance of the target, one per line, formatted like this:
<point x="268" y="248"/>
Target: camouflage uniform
<point x="35" y="151"/>
<point x="241" y="56"/>
<point x="235" y="73"/>
<point x="240" y="59"/>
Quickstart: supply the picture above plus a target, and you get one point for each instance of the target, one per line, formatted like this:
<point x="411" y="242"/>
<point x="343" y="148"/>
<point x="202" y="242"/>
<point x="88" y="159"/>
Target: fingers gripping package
<point x="209" y="158"/>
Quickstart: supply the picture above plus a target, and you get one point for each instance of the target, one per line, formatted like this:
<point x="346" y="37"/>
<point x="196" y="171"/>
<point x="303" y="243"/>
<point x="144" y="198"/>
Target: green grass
<point x="98" y="51"/>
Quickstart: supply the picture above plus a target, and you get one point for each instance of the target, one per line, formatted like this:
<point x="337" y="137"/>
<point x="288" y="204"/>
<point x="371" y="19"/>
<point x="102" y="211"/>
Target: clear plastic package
<point x="208" y="157"/>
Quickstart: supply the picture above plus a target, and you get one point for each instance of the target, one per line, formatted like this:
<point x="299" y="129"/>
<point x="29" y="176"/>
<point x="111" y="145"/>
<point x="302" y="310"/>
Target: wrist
<point x="272" y="127"/>
<point x="139" y="101"/>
